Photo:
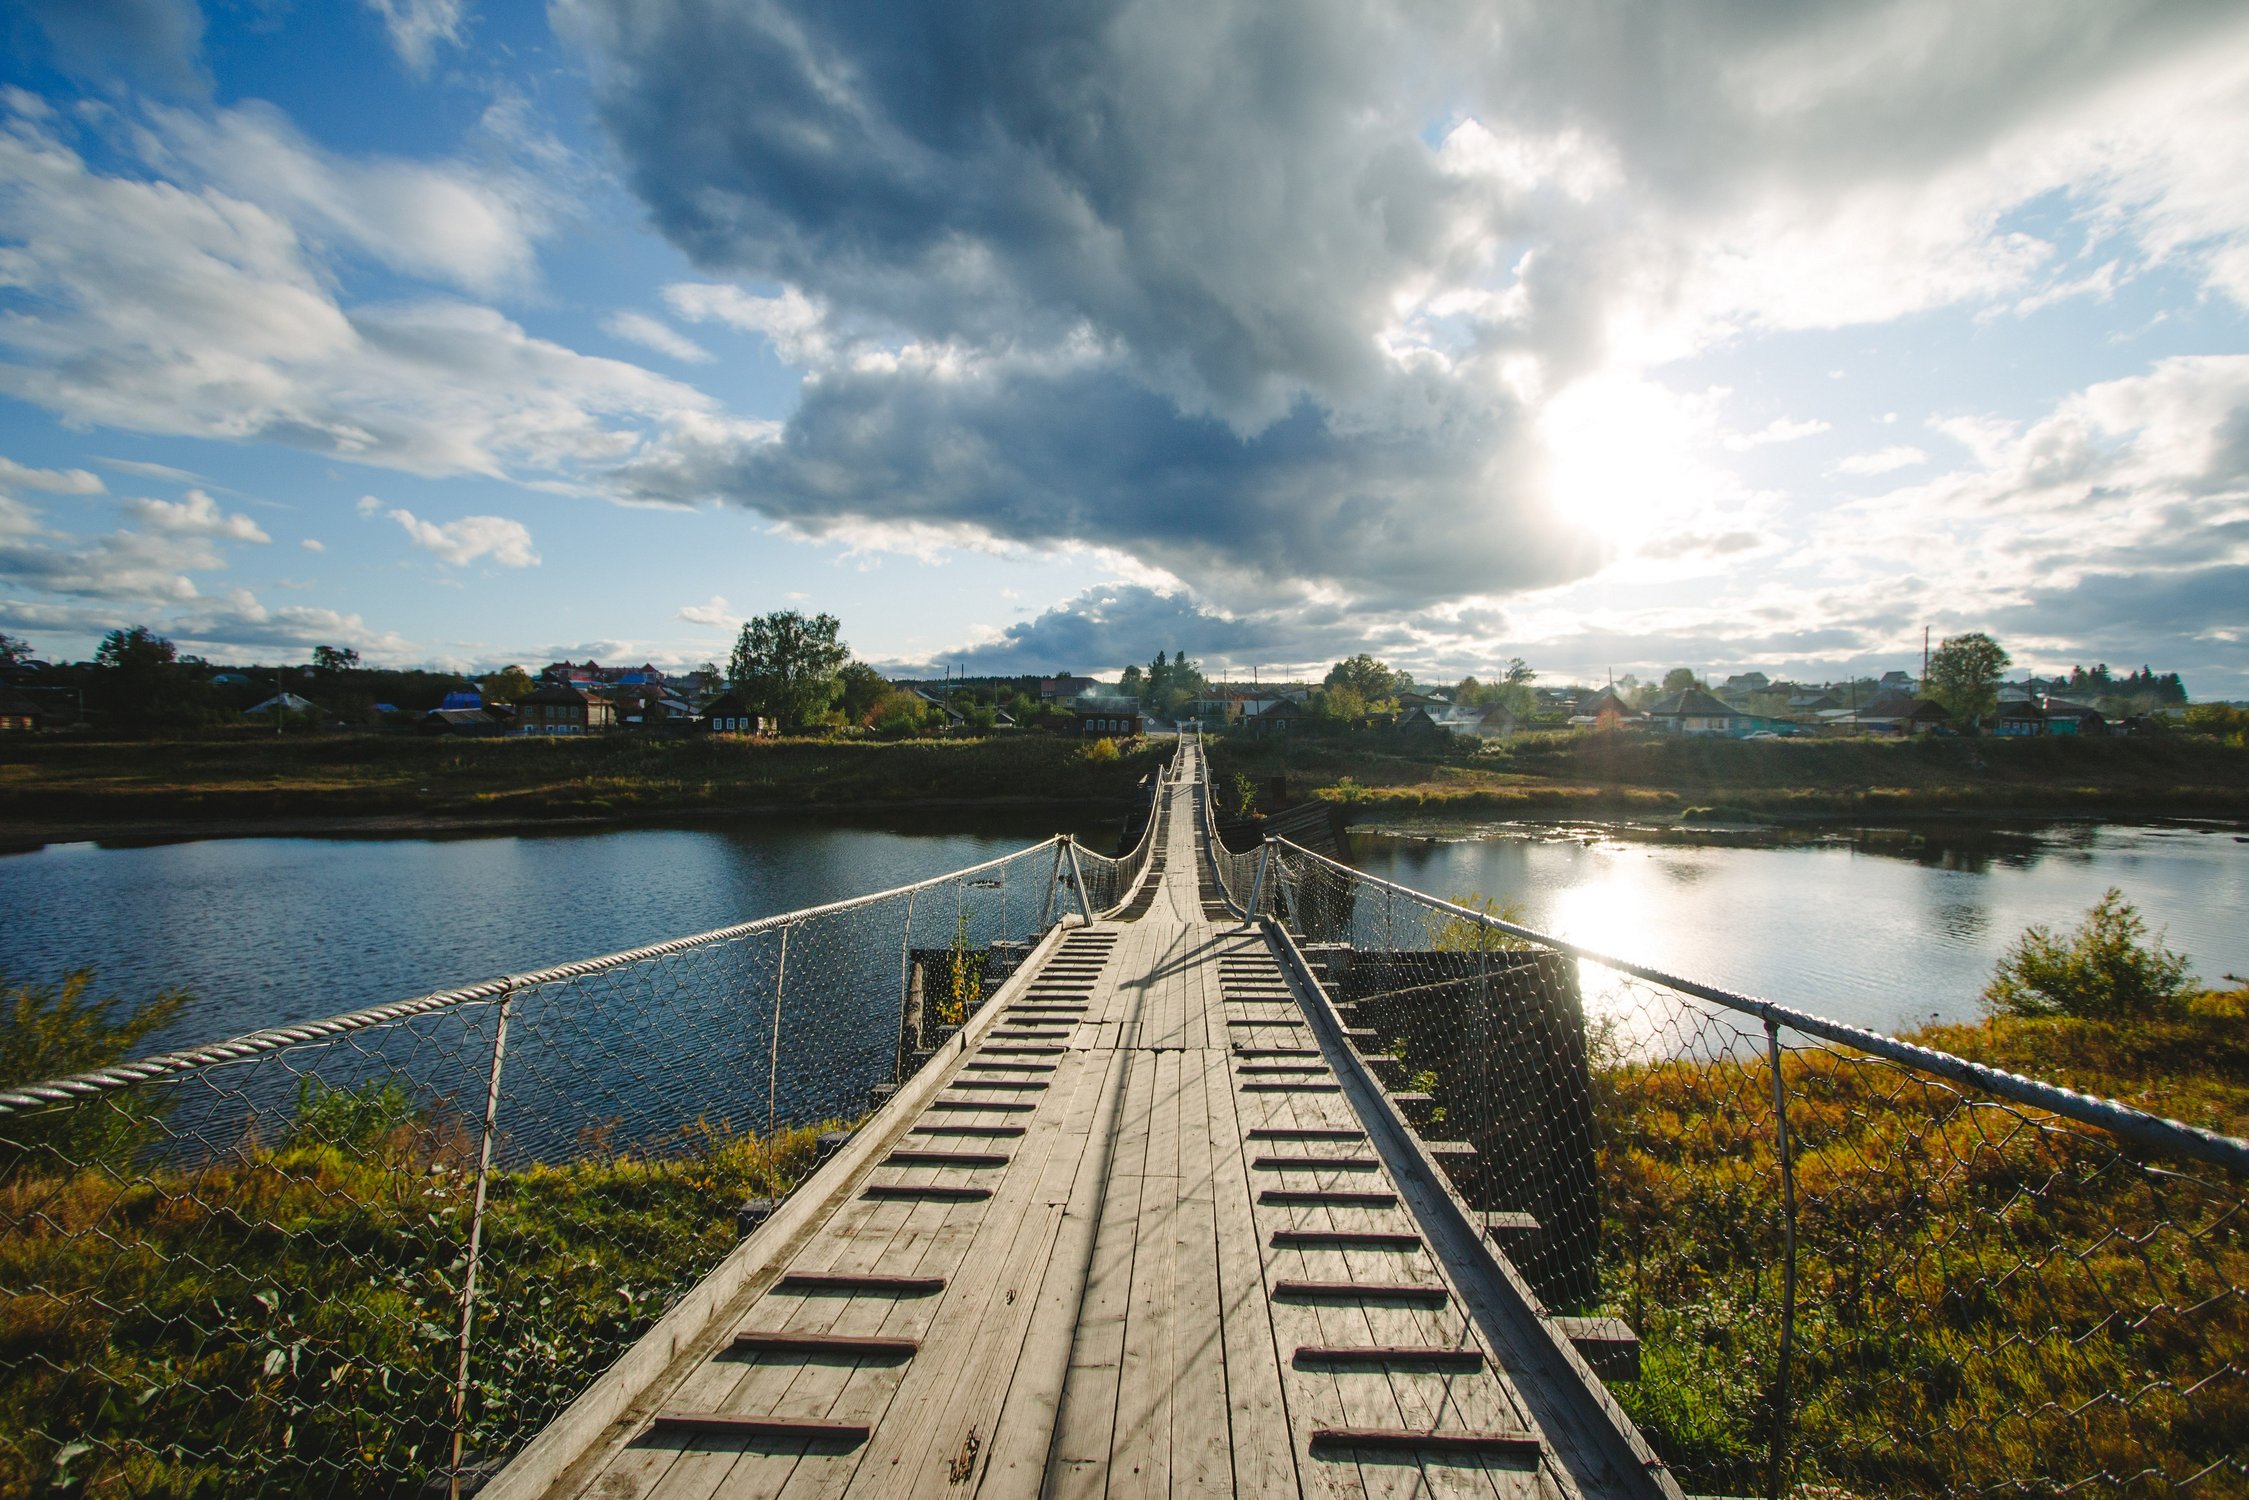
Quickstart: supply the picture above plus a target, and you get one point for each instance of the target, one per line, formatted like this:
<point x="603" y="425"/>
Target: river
<point x="266" y="931"/>
<point x="1885" y="928"/>
<point x="1879" y="929"/>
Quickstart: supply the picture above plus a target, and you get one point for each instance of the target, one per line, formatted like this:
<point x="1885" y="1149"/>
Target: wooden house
<point x="559" y="708"/>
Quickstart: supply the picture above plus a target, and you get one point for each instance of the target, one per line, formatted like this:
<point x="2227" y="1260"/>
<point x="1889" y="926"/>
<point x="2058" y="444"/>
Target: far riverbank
<point x="364" y="785"/>
<point x="1672" y="781"/>
<point x="377" y="786"/>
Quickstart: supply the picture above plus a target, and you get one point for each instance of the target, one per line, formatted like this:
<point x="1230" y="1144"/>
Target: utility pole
<point x="1924" y="661"/>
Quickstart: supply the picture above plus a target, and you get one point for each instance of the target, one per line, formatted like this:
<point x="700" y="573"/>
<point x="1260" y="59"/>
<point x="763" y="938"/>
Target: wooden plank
<point x="1025" y="1429"/>
<point x="1505" y="1443"/>
<point x="810" y="1283"/>
<point x="942" y="1422"/>
<point x="1085" y="1420"/>
<point x="724" y="1424"/>
<point x="833" y="1345"/>
<point x="872" y="1392"/>
<point x="1264" y="1456"/>
<point x="1140" y="1451"/>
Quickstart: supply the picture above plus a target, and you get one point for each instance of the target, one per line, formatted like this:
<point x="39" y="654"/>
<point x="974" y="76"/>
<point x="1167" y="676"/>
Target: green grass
<point x="617" y="776"/>
<point x="285" y="1322"/>
<point x="1982" y="1304"/>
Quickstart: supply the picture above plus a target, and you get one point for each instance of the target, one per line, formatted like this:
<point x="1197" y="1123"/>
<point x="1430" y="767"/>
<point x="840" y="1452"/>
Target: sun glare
<point x="1618" y="452"/>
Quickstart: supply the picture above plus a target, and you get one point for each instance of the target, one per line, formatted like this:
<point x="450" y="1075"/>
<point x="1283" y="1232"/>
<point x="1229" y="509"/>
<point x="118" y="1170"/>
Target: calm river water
<point x="1875" y="929"/>
<point x="1882" y="928"/>
<point x="264" y="931"/>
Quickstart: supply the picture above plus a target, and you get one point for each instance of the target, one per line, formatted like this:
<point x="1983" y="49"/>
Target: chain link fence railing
<point x="1110" y="883"/>
<point x="371" y="1256"/>
<point x="1855" y="1266"/>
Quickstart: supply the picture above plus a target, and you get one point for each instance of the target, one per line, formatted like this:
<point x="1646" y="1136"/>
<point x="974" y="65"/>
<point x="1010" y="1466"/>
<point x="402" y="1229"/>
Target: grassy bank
<point x="1982" y="1305"/>
<point x="46" y="783"/>
<point x="1639" y="776"/>
<point x="285" y="1321"/>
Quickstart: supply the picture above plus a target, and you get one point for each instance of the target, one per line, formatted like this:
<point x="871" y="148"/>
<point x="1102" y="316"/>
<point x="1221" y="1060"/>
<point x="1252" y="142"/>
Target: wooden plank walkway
<point x="1136" y="1238"/>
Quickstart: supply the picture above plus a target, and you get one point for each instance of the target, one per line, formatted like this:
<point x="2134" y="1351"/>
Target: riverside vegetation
<point x="292" y="1304"/>
<point x="1634" y="775"/>
<point x="2008" y="1292"/>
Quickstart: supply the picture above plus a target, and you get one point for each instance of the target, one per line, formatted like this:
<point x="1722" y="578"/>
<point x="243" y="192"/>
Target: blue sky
<point x="1043" y="338"/>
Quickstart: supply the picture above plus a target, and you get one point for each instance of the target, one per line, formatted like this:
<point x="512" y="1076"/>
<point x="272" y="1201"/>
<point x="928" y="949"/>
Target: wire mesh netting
<point x="313" y="1260"/>
<point x="1850" y="1272"/>
<point x="1110" y="882"/>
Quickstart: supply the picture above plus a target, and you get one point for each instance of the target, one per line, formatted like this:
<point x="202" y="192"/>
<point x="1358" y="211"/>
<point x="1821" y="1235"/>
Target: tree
<point x="1964" y="676"/>
<point x="334" y="658"/>
<point x="1133" y="683"/>
<point x="13" y="649"/>
<point x="1362" y="674"/>
<point x="787" y="665"/>
<point x="1678" y="680"/>
<point x="2106" y="970"/>
<point x="1512" y="691"/>
<point x="511" y="684"/>
<point x="135" y="651"/>
<point x="860" y="687"/>
<point x="896" y="712"/>
<point x="708" y="679"/>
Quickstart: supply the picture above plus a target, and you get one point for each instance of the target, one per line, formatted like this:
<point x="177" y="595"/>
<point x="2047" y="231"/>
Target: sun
<point x="1619" y="453"/>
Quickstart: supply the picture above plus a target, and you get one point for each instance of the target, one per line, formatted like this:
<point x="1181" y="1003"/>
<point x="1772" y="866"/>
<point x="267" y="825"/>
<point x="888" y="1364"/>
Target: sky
<point x="1043" y="337"/>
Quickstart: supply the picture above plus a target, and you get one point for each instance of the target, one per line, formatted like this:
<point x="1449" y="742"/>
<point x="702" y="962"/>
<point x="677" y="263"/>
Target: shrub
<point x="1103" y="750"/>
<point x="2108" y="969"/>
<point x="51" y="1031"/>
<point x="1460" y="935"/>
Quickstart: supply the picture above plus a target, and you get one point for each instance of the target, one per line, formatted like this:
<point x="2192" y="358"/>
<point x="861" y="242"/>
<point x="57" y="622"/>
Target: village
<point x="1358" y="695"/>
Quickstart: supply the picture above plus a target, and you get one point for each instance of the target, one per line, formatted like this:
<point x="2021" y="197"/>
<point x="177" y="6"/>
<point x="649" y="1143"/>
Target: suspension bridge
<point x="1188" y="1171"/>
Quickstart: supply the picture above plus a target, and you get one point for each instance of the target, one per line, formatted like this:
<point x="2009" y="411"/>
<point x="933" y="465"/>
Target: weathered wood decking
<point x="1147" y="1228"/>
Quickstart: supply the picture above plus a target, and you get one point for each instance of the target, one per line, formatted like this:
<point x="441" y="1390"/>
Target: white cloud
<point x="795" y="325"/>
<point x="14" y="476"/>
<point x="717" y="612"/>
<point x="462" y="542"/>
<point x="197" y="515"/>
<point x="1883" y="461"/>
<point x="312" y="545"/>
<point x="1779" y="430"/>
<point x="417" y="27"/>
<point x="136" y="567"/>
<point x="242" y="621"/>
<point x="159" y="308"/>
<point x="472" y="225"/>
<point x="639" y="328"/>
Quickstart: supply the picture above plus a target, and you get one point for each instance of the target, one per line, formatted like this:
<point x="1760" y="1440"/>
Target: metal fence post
<point x="905" y="986"/>
<point x="476" y="1234"/>
<point x="1779" y="1458"/>
<point x="1077" y="873"/>
<point x="773" y="1054"/>
<point x="1257" y="882"/>
<point x="1053" y="879"/>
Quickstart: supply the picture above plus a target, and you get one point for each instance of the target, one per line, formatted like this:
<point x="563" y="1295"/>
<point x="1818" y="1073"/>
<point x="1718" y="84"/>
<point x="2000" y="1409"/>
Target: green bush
<point x="51" y="1031"/>
<point x="2108" y="969"/>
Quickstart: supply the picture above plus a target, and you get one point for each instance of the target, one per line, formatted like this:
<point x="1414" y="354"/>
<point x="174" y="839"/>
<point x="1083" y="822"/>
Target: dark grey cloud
<point x="1141" y="263"/>
<point x="1103" y="628"/>
<point x="1230" y="193"/>
<point x="2135" y="609"/>
<point x="1092" y="455"/>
